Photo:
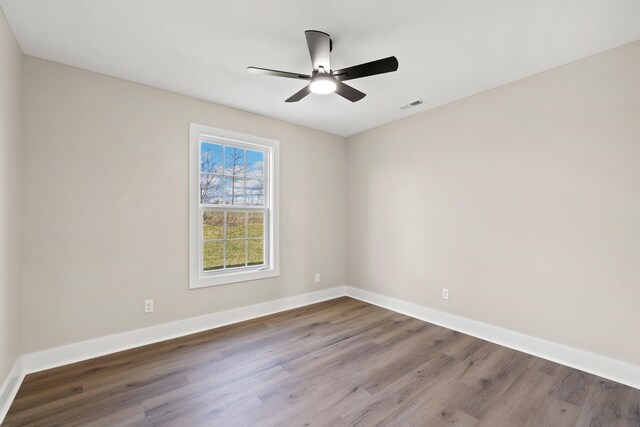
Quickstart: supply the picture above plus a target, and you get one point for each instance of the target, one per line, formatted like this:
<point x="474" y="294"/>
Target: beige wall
<point x="107" y="203"/>
<point x="10" y="196"/>
<point x="523" y="200"/>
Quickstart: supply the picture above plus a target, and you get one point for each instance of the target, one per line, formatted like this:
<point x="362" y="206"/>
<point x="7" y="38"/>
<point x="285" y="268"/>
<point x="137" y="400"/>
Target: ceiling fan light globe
<point x="322" y="85"/>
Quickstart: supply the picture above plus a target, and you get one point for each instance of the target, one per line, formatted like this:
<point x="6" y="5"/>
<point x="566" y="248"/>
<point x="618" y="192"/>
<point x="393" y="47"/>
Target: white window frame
<point x="197" y="277"/>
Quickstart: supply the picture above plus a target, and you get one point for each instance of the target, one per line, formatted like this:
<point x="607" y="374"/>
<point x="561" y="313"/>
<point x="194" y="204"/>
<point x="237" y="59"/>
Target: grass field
<point x="242" y="225"/>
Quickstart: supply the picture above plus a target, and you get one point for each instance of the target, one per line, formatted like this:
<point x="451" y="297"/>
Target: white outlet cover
<point x="445" y="293"/>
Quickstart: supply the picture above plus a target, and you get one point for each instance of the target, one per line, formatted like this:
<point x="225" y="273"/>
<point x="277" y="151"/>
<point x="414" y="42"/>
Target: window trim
<point x="197" y="278"/>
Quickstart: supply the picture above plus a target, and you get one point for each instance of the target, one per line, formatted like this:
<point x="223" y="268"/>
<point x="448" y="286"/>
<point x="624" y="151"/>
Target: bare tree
<point x="210" y="184"/>
<point x="255" y="191"/>
<point x="234" y="165"/>
<point x="260" y="191"/>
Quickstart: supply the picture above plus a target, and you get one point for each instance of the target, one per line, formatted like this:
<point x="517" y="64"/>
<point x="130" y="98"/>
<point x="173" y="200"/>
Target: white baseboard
<point x="10" y="387"/>
<point x="58" y="356"/>
<point x="622" y="372"/>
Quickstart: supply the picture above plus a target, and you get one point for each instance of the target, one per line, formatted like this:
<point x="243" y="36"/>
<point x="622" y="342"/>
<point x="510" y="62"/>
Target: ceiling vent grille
<point x="411" y="104"/>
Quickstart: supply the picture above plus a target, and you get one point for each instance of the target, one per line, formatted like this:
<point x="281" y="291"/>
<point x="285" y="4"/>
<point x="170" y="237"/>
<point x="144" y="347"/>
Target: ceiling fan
<point x="325" y="80"/>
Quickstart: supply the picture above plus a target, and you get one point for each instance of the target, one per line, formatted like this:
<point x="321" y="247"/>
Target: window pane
<point x="255" y="163"/>
<point x="256" y="252"/>
<point x="212" y="256"/>
<point x="238" y="191"/>
<point x="255" y="192"/>
<point x="233" y="161"/>
<point x="210" y="157"/>
<point x="210" y="189"/>
<point x="212" y="225"/>
<point x="236" y="225"/>
<point x="236" y="255"/>
<point x="234" y="191"/>
<point x="255" y="224"/>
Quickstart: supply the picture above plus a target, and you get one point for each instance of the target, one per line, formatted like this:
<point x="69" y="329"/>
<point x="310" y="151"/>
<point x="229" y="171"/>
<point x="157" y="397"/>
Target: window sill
<point x="204" y="280"/>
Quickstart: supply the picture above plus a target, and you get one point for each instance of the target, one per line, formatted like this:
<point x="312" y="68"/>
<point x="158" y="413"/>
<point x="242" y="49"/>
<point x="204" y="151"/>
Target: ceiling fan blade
<point x="348" y="92"/>
<point x="299" y="95"/>
<point x="319" y="48"/>
<point x="277" y="73"/>
<point x="372" y="68"/>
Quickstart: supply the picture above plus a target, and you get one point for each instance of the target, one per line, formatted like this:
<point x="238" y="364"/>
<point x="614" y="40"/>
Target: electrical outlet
<point x="445" y="293"/>
<point x="317" y="277"/>
<point x="148" y="306"/>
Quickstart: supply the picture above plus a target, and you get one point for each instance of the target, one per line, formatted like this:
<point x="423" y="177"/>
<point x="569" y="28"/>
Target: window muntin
<point x="234" y="204"/>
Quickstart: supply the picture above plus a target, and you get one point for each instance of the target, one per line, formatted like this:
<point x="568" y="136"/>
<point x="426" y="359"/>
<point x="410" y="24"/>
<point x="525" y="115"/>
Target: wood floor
<point x="338" y="363"/>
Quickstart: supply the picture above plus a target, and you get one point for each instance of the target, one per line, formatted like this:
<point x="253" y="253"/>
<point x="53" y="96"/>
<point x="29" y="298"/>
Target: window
<point x="233" y="218"/>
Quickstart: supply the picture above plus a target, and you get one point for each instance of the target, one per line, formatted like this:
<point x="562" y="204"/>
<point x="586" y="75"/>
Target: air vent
<point x="411" y="104"/>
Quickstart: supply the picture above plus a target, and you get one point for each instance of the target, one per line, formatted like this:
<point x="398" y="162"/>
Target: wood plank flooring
<point x="338" y="363"/>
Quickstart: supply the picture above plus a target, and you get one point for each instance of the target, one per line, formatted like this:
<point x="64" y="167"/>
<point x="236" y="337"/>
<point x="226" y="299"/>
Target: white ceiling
<point x="447" y="49"/>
